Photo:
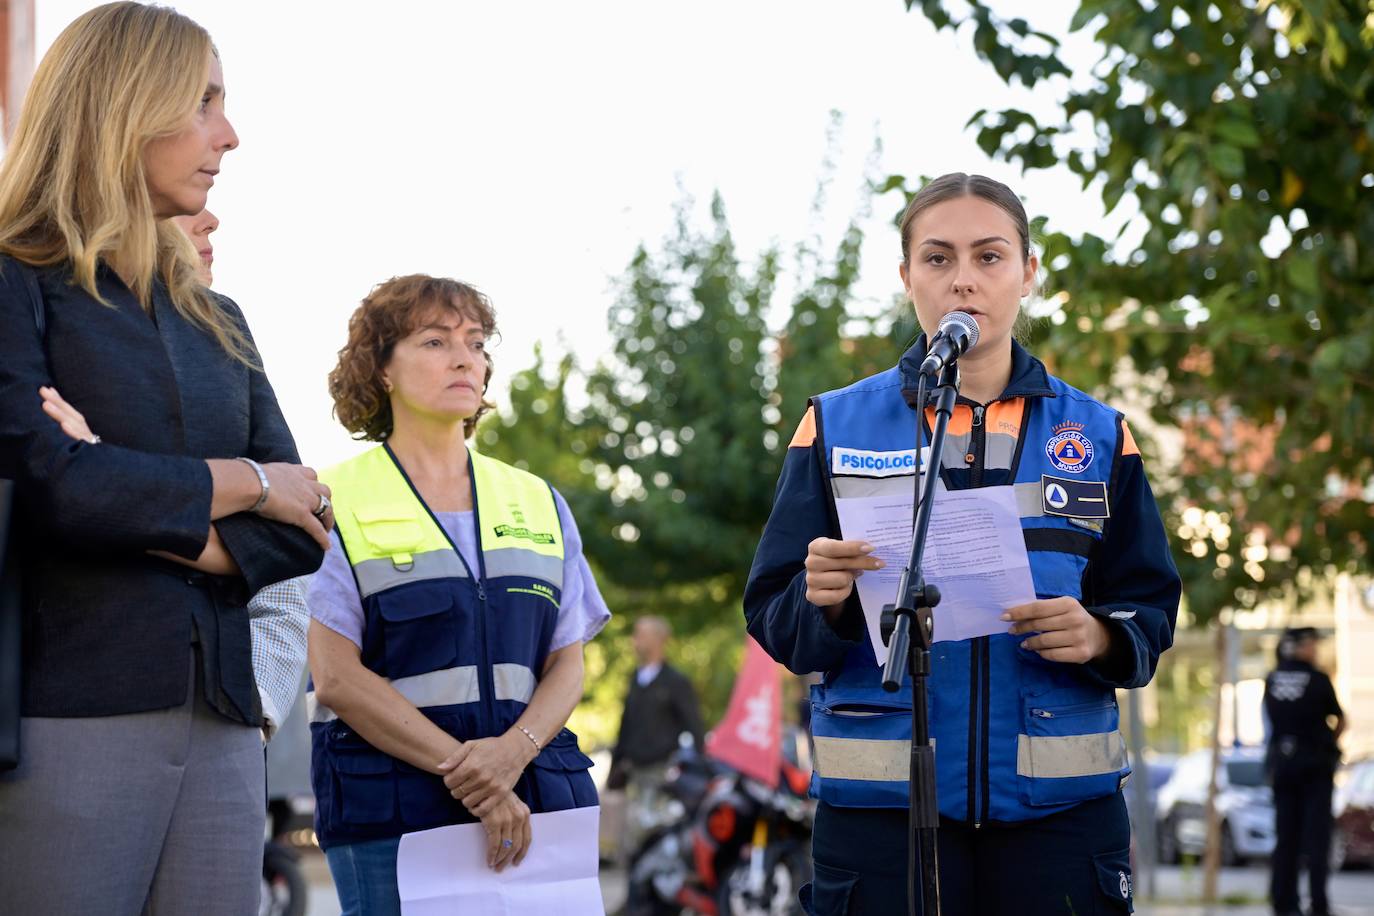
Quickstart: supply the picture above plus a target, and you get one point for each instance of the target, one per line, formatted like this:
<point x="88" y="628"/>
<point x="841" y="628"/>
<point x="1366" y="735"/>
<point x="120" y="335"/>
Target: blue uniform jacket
<point x="1130" y="580"/>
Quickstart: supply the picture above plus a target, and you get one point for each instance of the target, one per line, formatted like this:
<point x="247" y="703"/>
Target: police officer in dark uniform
<point x="1305" y="722"/>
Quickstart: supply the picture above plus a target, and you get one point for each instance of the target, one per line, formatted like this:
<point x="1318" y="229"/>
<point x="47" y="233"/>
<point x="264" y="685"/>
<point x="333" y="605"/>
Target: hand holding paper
<point x="831" y="569"/>
<point x="975" y="554"/>
<point x="1066" y="631"/>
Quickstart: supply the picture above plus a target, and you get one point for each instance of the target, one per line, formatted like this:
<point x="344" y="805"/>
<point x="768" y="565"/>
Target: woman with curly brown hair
<point x="449" y="615"/>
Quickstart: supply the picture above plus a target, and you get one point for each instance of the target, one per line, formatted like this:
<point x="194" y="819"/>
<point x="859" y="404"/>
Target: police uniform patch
<point x="1068" y="449"/>
<point x="1074" y="499"/>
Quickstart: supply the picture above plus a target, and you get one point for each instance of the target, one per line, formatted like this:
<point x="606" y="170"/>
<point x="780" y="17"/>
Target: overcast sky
<point x="528" y="148"/>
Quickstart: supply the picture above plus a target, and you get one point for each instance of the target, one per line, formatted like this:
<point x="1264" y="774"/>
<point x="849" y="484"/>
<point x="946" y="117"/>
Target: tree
<point x="1239" y="293"/>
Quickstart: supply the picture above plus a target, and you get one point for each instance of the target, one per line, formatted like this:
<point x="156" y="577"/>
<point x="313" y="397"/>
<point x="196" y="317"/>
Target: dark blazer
<point x="655" y="715"/>
<point x="106" y="626"/>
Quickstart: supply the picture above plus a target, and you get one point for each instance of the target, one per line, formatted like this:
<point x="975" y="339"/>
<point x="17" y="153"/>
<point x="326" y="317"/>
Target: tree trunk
<point x="1211" y="858"/>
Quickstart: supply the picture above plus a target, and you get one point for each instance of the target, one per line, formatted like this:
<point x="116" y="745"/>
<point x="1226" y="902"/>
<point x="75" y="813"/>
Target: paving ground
<point x="1352" y="893"/>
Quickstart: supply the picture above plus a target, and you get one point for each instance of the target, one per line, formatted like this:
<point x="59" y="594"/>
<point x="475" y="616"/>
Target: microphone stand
<point x="915" y="601"/>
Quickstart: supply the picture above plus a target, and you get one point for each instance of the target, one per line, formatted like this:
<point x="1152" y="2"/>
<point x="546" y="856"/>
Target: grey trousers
<point x="151" y="813"/>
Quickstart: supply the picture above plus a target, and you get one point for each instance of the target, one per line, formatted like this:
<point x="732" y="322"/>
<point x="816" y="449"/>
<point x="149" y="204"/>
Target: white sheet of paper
<point x="443" y="872"/>
<point x="975" y="554"/>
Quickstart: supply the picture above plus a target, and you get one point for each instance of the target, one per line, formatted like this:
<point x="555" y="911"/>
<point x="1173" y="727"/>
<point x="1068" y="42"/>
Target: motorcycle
<point x="743" y="848"/>
<point x="284" y="888"/>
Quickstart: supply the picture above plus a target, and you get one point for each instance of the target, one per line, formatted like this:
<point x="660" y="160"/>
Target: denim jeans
<point x="365" y="877"/>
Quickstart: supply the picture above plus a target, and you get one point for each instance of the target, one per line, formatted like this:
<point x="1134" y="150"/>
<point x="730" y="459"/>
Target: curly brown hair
<point x="394" y="310"/>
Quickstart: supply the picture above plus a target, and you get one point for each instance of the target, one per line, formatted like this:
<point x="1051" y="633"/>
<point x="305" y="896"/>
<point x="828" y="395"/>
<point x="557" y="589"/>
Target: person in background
<point x="142" y="762"/>
<point x="277" y="615"/>
<point x="1306" y="722"/>
<point x="450" y="613"/>
<point x="660" y="708"/>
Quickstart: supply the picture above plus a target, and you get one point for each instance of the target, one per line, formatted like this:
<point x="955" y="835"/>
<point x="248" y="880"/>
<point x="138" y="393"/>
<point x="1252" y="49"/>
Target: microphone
<point x="957" y="334"/>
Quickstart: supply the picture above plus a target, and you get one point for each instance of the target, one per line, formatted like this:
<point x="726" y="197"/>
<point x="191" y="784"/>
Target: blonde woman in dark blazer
<point x="141" y="762"/>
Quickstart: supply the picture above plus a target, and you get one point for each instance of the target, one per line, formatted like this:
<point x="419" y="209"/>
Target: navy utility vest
<point x="464" y="645"/>
<point x="1016" y="737"/>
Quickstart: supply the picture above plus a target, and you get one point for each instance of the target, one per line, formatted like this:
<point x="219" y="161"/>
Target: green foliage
<point x="1219" y="124"/>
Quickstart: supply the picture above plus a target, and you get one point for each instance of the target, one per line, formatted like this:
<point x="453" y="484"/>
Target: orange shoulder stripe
<point x="806" y="431"/>
<point x="1128" y="446"/>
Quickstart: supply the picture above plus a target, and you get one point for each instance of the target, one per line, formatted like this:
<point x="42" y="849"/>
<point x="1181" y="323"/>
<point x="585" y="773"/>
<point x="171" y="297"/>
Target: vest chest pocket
<point x="1069" y="752"/>
<point x="560" y="776"/>
<point x="389" y="530"/>
<point x="419" y="629"/>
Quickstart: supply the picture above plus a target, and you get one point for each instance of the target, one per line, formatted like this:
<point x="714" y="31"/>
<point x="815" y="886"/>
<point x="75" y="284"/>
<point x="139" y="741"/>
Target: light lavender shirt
<point x="334" y="601"/>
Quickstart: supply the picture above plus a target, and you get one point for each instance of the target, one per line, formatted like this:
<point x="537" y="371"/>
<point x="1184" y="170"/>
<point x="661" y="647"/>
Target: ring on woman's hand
<point x="507" y="844"/>
<point x="94" y="440"/>
<point x="324" y="507"/>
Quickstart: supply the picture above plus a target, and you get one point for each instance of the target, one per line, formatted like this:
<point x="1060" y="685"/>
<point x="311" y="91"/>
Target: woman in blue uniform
<point x="1029" y="759"/>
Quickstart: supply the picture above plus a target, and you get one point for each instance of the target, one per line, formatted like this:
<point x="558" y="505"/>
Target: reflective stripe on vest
<point x="1048" y="757"/>
<point x="874" y="759"/>
<point x="447" y="687"/>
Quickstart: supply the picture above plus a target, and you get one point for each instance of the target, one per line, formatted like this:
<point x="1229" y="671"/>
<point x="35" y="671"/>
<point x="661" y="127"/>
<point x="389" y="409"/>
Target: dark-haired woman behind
<point x="446" y="649"/>
<point x="1029" y="759"/>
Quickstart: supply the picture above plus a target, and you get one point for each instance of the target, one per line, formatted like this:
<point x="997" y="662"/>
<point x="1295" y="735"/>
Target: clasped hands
<point x="482" y="774"/>
<point x="1064" y="630"/>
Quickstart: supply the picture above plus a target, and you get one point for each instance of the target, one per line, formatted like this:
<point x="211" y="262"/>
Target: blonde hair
<point x="72" y="186"/>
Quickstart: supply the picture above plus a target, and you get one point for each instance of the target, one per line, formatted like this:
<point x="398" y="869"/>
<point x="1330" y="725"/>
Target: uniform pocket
<point x="829" y="892"/>
<point x="1115" y="882"/>
<point x="1069" y="751"/>
<point x="389" y="531"/>
<point x="366" y="788"/>
<point x="418" y="627"/>
<point x="862" y="749"/>
<point x="424" y="799"/>
<point x="561" y="777"/>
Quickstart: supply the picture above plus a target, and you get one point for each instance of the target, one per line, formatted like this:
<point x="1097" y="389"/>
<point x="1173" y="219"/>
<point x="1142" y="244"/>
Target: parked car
<point x="1158" y="769"/>
<point x="1244" y="801"/>
<point x="1352" y="840"/>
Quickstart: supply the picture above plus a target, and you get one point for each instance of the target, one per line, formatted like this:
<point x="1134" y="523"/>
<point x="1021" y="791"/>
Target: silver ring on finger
<point x="323" y="507"/>
<point x="507" y="843"/>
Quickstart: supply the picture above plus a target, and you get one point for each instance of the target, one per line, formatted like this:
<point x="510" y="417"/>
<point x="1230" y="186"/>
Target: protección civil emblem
<point x="1068" y="449"/>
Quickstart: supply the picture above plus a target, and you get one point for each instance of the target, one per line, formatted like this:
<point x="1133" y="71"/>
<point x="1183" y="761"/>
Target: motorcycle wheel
<point x="786" y="867"/>
<point x="641" y="900"/>
<point x="283" y="886"/>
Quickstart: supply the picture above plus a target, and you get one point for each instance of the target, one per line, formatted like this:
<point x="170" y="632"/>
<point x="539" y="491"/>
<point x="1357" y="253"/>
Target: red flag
<point x="749" y="738"/>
